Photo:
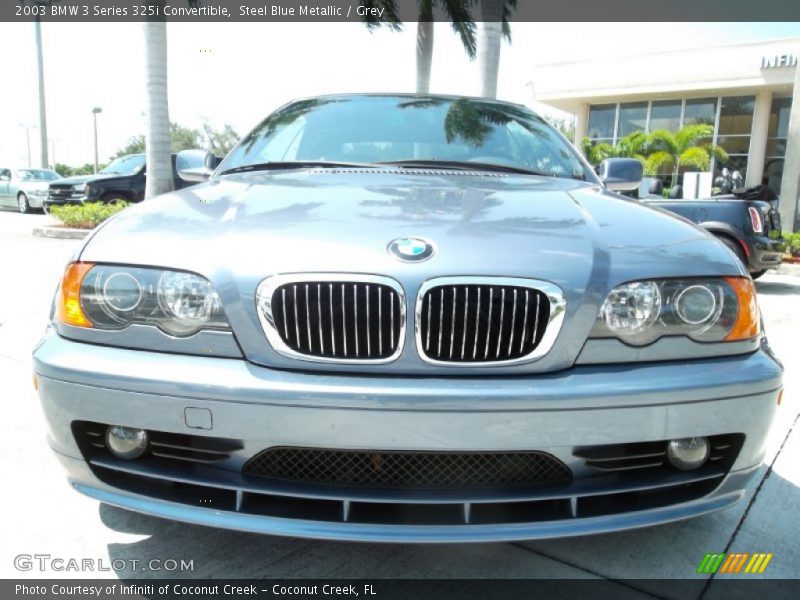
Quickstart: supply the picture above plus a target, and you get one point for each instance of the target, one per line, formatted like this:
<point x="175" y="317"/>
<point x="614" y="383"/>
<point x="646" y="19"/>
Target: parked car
<point x="750" y="227"/>
<point x="25" y="189"/>
<point x="407" y="318"/>
<point x="122" y="180"/>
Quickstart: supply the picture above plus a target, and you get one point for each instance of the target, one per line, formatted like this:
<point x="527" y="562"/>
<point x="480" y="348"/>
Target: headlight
<point x="87" y="189"/>
<point x="81" y="187"/>
<point x="113" y="297"/>
<point x="706" y="310"/>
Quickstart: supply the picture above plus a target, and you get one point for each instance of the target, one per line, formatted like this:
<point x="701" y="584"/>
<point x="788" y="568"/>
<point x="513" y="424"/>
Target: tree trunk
<point x="37" y="34"/>
<point x="424" y="52"/>
<point x="489" y="42"/>
<point x="159" y="162"/>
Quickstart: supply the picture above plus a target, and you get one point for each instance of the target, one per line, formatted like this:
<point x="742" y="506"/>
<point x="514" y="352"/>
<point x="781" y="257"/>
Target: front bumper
<point x="36" y="200"/>
<point x="63" y="201"/>
<point x="266" y="408"/>
<point x="764" y="253"/>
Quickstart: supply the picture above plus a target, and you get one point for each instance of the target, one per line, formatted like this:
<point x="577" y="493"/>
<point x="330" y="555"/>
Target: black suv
<point x="122" y="180"/>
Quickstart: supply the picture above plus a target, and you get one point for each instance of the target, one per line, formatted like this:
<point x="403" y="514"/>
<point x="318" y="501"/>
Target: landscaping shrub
<point x="792" y="241"/>
<point x="86" y="216"/>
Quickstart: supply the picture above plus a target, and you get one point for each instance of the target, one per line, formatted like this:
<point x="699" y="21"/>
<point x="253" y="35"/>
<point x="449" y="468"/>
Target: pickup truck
<point x="750" y="228"/>
<point x="123" y="180"/>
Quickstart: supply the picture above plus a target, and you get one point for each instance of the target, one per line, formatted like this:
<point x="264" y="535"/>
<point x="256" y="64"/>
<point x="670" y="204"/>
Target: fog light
<point x="126" y="442"/>
<point x="689" y="453"/>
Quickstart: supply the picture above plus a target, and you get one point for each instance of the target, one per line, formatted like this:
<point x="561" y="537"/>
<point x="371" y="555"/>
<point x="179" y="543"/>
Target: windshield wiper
<point x="298" y="164"/>
<point x="468" y="165"/>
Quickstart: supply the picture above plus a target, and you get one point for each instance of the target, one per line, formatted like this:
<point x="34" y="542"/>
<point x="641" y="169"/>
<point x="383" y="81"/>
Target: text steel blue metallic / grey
<point x="406" y="318"/>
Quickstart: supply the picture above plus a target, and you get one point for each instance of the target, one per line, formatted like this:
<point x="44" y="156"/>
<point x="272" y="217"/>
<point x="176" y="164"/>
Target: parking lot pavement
<point x="49" y="518"/>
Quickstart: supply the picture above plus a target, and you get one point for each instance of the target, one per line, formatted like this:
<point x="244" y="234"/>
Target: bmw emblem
<point x="411" y="249"/>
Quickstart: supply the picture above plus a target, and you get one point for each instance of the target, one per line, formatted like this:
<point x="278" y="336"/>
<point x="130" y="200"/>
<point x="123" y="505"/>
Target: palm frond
<point x="693" y="135"/>
<point x="658" y="163"/>
<point x="387" y="8"/>
<point x="586" y="145"/>
<point x="597" y="152"/>
<point x="509" y="6"/>
<point x="460" y="16"/>
<point x="718" y="152"/>
<point x="631" y="144"/>
<point x="695" y="157"/>
<point x="662" y="140"/>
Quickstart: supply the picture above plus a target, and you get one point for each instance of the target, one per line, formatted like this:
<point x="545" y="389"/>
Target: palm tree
<point x="458" y="13"/>
<point x="633" y="145"/>
<point x="158" y="140"/>
<point x="690" y="147"/>
<point x="495" y="15"/>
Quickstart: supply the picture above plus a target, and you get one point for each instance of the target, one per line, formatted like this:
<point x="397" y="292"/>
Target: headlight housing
<point x="705" y="310"/>
<point x="81" y="187"/>
<point x="113" y="297"/>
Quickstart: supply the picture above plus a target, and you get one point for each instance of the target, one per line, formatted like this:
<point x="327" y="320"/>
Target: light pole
<point x="95" y="111"/>
<point x="37" y="33"/>
<point x="28" y="140"/>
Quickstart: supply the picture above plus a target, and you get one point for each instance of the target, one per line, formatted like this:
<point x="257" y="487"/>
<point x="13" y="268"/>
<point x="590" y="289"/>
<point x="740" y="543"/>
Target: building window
<point x="665" y="114"/>
<point x="632" y="117"/>
<point x="776" y="142"/>
<point x="701" y="111"/>
<point x="736" y="115"/>
<point x="602" y="122"/>
<point x="733" y="132"/>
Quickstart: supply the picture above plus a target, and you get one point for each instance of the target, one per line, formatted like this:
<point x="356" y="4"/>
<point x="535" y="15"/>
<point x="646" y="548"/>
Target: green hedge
<point x="86" y="216"/>
<point x="792" y="241"/>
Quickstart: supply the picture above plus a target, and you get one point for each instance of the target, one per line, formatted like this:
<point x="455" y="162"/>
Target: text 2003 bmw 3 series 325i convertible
<point x="407" y="318"/>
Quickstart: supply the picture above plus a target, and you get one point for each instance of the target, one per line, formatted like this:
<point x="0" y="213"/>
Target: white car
<point x="25" y="189"/>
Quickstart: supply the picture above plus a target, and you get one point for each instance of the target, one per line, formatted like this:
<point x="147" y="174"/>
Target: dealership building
<point x="743" y="90"/>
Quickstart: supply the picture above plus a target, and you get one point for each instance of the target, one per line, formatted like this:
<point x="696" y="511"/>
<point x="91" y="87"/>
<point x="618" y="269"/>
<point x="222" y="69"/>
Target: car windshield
<point x="125" y="165"/>
<point x="408" y="129"/>
<point x="37" y="175"/>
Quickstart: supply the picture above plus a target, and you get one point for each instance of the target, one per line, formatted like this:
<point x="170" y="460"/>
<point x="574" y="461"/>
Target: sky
<point x="238" y="73"/>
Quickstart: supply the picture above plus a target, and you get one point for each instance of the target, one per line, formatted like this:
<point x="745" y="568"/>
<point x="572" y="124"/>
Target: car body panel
<point x="728" y="216"/>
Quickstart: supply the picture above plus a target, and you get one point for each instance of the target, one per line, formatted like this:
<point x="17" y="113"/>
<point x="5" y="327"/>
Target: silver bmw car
<point x="407" y="318"/>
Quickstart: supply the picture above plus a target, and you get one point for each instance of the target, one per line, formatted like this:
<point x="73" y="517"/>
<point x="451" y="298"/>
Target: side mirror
<point x="621" y="174"/>
<point x="196" y="166"/>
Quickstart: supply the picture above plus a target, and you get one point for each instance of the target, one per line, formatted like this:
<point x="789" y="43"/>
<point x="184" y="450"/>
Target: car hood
<point x="239" y="229"/>
<point x="78" y="179"/>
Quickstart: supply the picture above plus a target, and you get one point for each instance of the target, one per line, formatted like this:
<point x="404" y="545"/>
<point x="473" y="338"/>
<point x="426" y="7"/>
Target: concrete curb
<point x="63" y="233"/>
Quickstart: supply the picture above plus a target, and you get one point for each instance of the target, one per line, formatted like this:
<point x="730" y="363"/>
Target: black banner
<point x="726" y="588"/>
<point x="382" y="11"/>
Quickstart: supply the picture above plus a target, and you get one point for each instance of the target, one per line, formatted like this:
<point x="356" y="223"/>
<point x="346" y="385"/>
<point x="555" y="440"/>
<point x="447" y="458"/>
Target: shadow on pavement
<point x="786" y="287"/>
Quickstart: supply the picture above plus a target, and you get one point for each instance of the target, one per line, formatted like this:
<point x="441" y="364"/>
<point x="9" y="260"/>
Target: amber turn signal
<point x="748" y="324"/>
<point x="68" y="303"/>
